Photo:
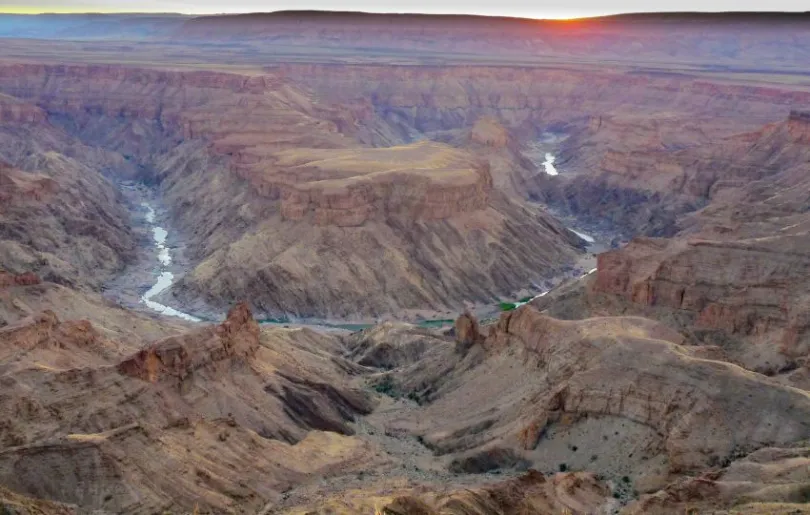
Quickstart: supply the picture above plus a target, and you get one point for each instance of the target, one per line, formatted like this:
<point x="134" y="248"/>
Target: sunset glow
<point x="568" y="10"/>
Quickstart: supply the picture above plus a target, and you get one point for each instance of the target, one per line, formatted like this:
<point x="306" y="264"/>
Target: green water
<point x="353" y="327"/>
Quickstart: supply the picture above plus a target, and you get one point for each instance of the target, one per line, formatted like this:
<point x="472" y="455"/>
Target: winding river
<point x="165" y="279"/>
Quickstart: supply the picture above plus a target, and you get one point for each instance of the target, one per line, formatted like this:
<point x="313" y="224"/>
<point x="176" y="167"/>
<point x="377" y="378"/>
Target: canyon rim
<point x="335" y="263"/>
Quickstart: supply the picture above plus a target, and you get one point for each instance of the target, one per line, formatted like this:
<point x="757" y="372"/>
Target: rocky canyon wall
<point x="259" y="172"/>
<point x="319" y="146"/>
<point x="59" y="216"/>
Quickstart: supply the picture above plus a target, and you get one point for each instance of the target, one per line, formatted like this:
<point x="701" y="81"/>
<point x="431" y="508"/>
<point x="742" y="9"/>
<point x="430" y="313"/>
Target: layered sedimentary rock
<point x="663" y="423"/>
<point x="59" y="216"/>
<point x="285" y="172"/>
<point x="46" y="340"/>
<point x="754" y="288"/>
<point x="333" y="190"/>
<point x="740" y="265"/>
<point x="531" y="493"/>
<point x="768" y="481"/>
<point x="178" y="358"/>
<point x="419" y="182"/>
<point x="298" y="134"/>
<point x="635" y="150"/>
<point x="173" y="425"/>
<point x="615" y="395"/>
<point x="13" y="110"/>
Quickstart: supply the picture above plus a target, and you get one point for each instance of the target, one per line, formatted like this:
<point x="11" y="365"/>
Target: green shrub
<point x="507" y="306"/>
<point x="386" y="387"/>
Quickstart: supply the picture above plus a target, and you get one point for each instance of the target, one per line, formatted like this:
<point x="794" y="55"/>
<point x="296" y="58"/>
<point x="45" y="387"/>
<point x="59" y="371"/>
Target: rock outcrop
<point x="203" y="402"/>
<point x="13" y="110"/>
<point x="176" y="358"/>
<point x="343" y="185"/>
<point x="739" y="266"/>
<point x="768" y="481"/>
<point x="313" y="144"/>
<point x="467" y="332"/>
<point x="627" y="394"/>
<point x="530" y="493"/>
<point x="753" y="288"/>
<point x="20" y="186"/>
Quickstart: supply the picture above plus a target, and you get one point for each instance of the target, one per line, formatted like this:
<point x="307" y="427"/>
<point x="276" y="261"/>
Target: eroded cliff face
<point x="755" y="288"/>
<point x="629" y="399"/>
<point x="344" y="191"/>
<point x="263" y="175"/>
<point x="137" y="436"/>
<point x="420" y="182"/>
<point x="298" y="151"/>
<point x="740" y="265"/>
<point x="59" y="217"/>
<point x="520" y="96"/>
<point x="13" y="110"/>
<point x="641" y="149"/>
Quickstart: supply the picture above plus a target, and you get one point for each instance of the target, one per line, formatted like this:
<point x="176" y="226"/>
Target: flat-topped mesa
<point x="424" y="181"/>
<point x="208" y="350"/>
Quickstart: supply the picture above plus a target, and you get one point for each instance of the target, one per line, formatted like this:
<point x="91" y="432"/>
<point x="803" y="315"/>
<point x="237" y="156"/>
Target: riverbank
<point x="145" y="284"/>
<point x="159" y="259"/>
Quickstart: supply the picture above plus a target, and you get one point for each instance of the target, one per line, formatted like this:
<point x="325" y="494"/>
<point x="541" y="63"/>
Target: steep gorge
<point x="194" y="132"/>
<point x="60" y="217"/>
<point x="331" y="166"/>
<point x="671" y="378"/>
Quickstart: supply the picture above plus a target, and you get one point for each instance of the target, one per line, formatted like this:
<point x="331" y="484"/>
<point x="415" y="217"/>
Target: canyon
<point x="308" y="262"/>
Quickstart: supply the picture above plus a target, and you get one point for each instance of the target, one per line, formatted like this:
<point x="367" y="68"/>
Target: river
<point x="166" y="278"/>
<point x="548" y="164"/>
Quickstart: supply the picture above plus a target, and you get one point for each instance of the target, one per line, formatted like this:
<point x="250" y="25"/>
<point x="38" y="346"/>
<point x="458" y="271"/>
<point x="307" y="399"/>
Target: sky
<point x="523" y="8"/>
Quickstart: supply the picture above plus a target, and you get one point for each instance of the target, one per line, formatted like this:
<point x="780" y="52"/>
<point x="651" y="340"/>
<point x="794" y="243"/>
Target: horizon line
<point x="404" y="13"/>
